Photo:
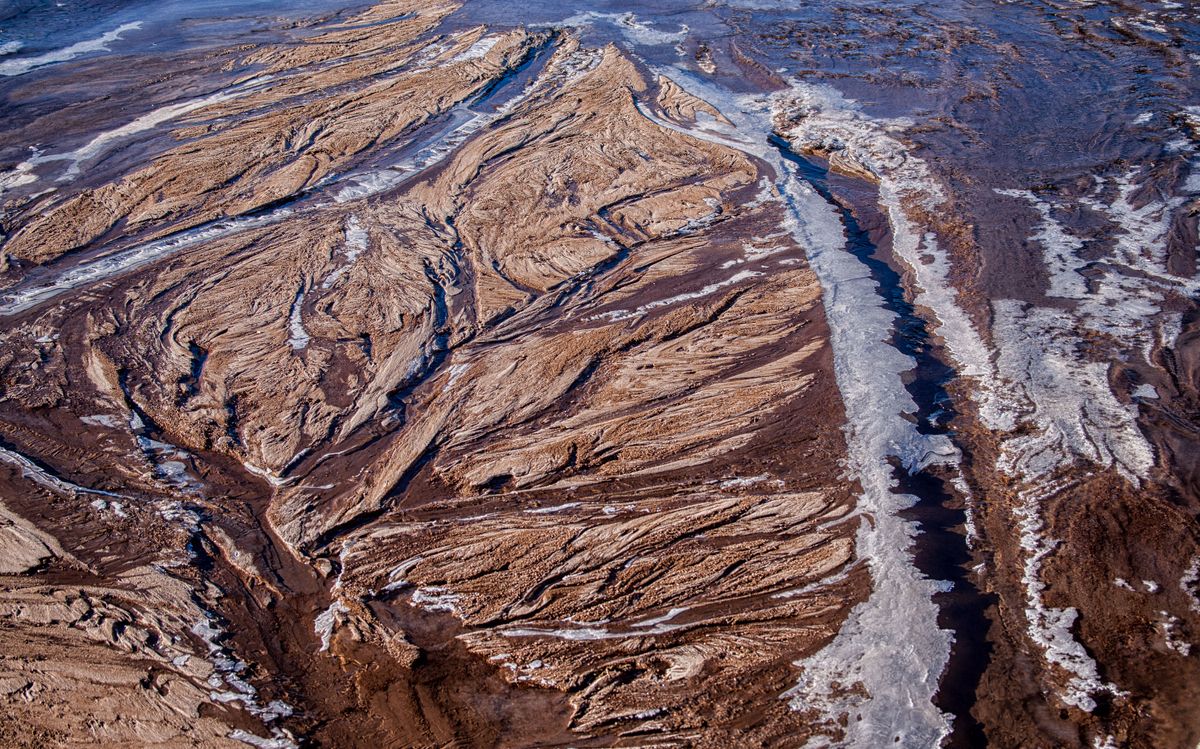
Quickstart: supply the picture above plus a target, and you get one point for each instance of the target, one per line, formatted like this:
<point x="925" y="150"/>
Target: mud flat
<point x="409" y="374"/>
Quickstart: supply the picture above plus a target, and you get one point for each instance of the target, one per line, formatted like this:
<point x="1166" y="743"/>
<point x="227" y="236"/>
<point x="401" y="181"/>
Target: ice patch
<point x="1064" y="398"/>
<point x="168" y="462"/>
<point x="101" y="420"/>
<point x="227" y="672"/>
<point x="894" y="701"/>
<point x="456" y="371"/>
<point x="868" y="370"/>
<point x="277" y="742"/>
<point x="1059" y="250"/>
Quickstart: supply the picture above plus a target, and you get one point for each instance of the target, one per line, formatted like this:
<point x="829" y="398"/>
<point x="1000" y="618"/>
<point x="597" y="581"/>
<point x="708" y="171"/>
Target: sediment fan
<point x="423" y="374"/>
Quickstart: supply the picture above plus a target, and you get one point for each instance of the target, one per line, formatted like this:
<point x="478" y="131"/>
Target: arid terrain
<point x="426" y="374"/>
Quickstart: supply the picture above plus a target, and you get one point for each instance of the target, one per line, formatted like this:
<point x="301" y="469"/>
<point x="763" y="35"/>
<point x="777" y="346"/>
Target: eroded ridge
<point x="749" y="373"/>
<point x="483" y="383"/>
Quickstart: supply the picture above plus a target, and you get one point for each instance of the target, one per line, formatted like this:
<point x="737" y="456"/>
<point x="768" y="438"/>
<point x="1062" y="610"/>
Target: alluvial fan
<point x="422" y="373"/>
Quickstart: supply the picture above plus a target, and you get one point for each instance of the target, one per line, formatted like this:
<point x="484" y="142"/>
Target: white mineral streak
<point x="263" y="473"/>
<point x="42" y="477"/>
<point x="1040" y="379"/>
<point x="23" y="65"/>
<point x="298" y="338"/>
<point x="325" y="622"/>
<point x="635" y="30"/>
<point x="477" y="50"/>
<point x="686" y="296"/>
<point x="228" y="686"/>
<point x="885" y="692"/>
<point x="93" y="271"/>
<point x="23" y="174"/>
<point x="555" y="508"/>
<point x="462" y="123"/>
<point x="356" y="244"/>
<point x="584" y="631"/>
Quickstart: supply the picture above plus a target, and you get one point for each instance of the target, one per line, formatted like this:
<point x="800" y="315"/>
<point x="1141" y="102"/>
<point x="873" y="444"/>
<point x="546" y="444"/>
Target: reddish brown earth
<point x="398" y="377"/>
<point x="530" y="513"/>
